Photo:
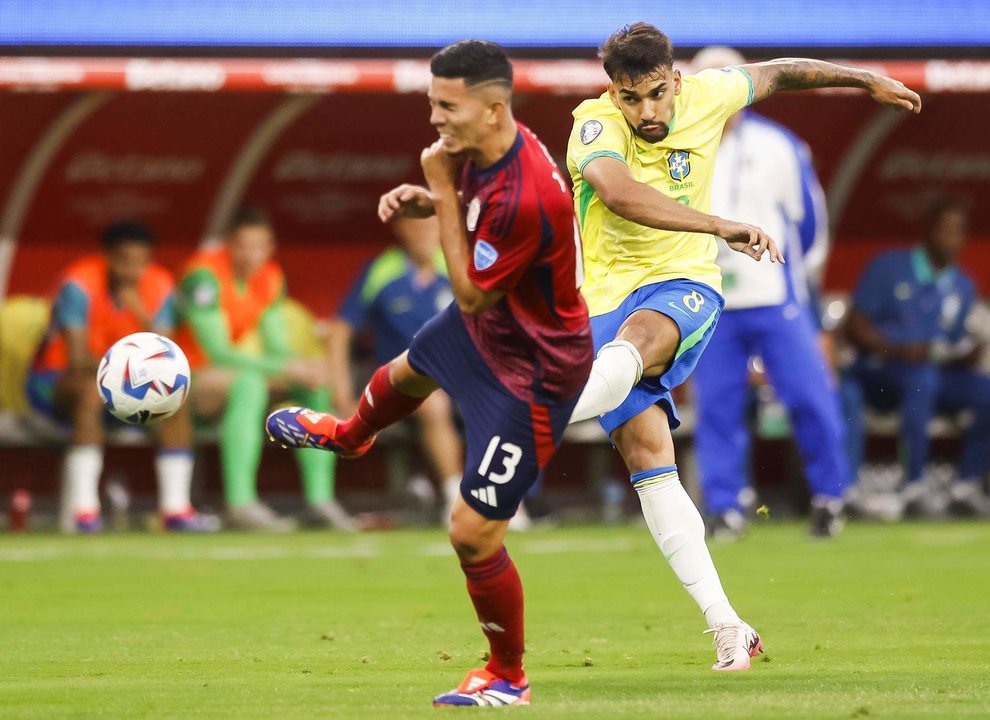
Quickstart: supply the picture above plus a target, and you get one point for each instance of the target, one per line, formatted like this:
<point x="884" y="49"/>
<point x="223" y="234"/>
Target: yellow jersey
<point x="621" y="255"/>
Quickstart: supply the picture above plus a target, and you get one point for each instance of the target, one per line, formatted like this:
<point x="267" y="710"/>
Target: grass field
<point x="890" y="622"/>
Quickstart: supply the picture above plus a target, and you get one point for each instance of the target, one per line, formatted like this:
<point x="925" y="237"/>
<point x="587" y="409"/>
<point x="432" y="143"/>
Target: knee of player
<point x="466" y="543"/>
<point x="469" y="540"/>
<point x="646" y="453"/>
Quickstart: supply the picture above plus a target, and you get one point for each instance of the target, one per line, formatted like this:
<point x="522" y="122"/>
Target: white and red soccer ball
<point x="143" y="378"/>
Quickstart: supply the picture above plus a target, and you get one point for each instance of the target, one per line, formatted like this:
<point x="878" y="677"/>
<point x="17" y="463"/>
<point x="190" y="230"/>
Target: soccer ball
<point x="143" y="378"/>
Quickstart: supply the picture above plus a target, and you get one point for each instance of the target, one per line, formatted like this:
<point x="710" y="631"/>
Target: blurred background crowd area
<point x="180" y="115"/>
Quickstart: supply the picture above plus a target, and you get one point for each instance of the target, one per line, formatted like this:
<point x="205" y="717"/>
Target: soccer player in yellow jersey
<point x="641" y="158"/>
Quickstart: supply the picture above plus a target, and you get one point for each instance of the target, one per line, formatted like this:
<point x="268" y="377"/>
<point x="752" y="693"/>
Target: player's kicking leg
<point x="508" y="441"/>
<point x="394" y="392"/>
<point x="648" y="346"/>
<point x="646" y="446"/>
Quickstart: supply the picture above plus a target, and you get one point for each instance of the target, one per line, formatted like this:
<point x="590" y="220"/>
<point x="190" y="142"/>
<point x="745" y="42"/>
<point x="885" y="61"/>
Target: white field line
<point x="51" y="551"/>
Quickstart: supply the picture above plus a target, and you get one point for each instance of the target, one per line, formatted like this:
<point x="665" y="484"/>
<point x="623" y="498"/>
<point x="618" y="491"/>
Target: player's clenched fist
<point x="440" y="168"/>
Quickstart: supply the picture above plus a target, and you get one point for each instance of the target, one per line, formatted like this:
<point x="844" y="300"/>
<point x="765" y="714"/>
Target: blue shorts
<point x="509" y="440"/>
<point x="41" y="392"/>
<point x="695" y="307"/>
<point x="41" y="386"/>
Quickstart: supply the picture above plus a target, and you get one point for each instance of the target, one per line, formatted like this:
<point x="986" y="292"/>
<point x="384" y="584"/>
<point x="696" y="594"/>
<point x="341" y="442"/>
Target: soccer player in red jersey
<point x="514" y="350"/>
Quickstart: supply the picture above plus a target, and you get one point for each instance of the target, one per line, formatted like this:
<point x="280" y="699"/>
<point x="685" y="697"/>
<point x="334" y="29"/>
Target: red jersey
<point x="525" y="242"/>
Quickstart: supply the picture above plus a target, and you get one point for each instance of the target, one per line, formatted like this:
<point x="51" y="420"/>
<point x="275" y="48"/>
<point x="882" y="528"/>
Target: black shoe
<point x="728" y="526"/>
<point x="827" y="517"/>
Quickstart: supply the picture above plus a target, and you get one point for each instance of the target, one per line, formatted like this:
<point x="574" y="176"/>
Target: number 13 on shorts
<point x="512" y="454"/>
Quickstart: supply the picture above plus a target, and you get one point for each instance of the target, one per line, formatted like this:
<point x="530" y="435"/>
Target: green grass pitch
<point x="885" y="622"/>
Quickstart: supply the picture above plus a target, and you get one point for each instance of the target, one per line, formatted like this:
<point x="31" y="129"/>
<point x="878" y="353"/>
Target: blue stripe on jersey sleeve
<point x="808" y="227"/>
<point x="512" y="209"/>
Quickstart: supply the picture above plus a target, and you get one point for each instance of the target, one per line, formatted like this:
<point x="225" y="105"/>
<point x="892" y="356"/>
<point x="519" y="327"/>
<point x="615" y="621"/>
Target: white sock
<point x="679" y="532"/>
<point x="174" y="469"/>
<point x="82" y="468"/>
<point x="616" y="369"/>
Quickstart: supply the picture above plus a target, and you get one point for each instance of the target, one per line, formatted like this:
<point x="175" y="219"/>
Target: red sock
<point x="497" y="594"/>
<point x="385" y="406"/>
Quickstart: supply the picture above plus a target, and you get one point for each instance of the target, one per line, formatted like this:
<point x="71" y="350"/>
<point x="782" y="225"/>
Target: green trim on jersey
<point x="749" y="79"/>
<point x="587" y="191"/>
<point x="598" y="154"/>
<point x="584" y="200"/>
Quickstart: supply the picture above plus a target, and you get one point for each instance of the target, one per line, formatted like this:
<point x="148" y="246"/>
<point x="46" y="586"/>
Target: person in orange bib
<point x="101" y="298"/>
<point x="233" y="333"/>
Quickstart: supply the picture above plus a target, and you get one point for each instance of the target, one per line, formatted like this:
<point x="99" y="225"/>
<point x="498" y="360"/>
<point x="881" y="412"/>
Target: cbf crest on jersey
<point x="589" y="131"/>
<point x="679" y="164"/>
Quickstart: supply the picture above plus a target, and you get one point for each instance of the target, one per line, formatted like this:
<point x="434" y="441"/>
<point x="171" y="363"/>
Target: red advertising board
<point x="183" y="151"/>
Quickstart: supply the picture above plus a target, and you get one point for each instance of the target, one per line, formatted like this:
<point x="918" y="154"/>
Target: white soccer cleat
<point x="967" y="499"/>
<point x="735" y="644"/>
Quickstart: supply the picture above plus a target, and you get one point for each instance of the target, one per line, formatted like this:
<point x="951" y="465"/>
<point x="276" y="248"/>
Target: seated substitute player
<point x="764" y="175"/>
<point x="396" y="294"/>
<point x="641" y="158"/>
<point x="513" y="351"/>
<point x="914" y="354"/>
<point x="226" y="295"/>
<point x="101" y="298"/>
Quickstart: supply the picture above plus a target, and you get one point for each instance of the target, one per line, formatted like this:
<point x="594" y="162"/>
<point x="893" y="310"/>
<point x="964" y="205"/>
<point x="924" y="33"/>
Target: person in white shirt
<point x="764" y="176"/>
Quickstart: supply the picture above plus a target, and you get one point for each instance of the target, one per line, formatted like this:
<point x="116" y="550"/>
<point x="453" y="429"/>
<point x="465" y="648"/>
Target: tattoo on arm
<point x="800" y="74"/>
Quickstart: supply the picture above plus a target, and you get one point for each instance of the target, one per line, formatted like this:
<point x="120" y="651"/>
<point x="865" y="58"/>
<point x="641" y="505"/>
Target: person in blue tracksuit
<point x="393" y="297"/>
<point x="764" y="176"/>
<point x="915" y="355"/>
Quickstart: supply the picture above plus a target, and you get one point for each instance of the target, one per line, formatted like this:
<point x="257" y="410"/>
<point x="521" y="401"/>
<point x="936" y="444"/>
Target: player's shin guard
<point x="679" y="532"/>
<point x="615" y="371"/>
<point x="497" y="594"/>
<point x="381" y="405"/>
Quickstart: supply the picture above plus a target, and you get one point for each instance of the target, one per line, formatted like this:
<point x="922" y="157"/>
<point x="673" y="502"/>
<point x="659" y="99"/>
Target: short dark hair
<point x="635" y="51"/>
<point x="942" y="206"/>
<point x="127" y="231"/>
<point x="476" y="61"/>
<point x="249" y="216"/>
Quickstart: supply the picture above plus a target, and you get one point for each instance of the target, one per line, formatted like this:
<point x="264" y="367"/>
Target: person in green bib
<point x="234" y="333"/>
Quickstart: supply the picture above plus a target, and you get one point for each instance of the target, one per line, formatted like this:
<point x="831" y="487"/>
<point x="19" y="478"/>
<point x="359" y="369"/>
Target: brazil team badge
<point x="679" y="164"/>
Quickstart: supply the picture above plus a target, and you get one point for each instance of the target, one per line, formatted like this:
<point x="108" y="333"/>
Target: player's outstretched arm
<point x="411" y="201"/>
<point x="625" y="196"/>
<point x="803" y="74"/>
